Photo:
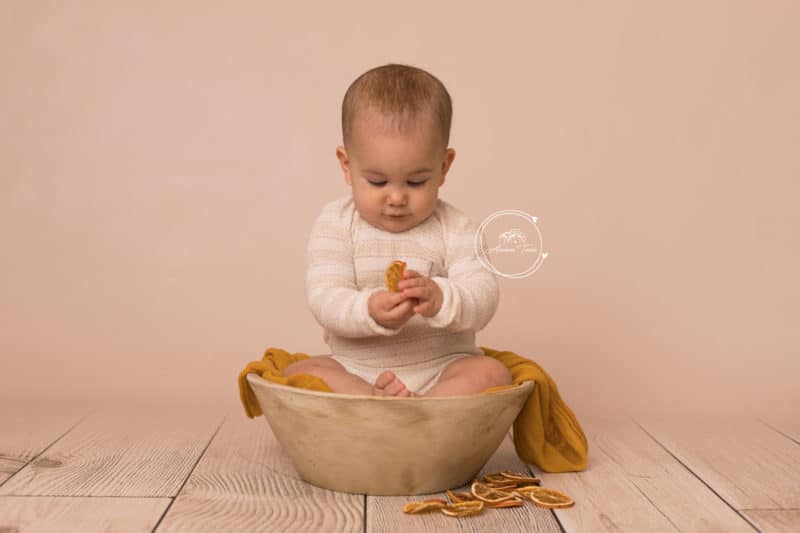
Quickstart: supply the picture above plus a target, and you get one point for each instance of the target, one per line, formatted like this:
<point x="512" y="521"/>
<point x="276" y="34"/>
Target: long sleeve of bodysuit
<point x="470" y="292"/>
<point x="336" y="302"/>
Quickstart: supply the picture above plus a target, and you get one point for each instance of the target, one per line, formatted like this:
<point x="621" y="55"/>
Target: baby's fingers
<point x="402" y="308"/>
<point x="423" y="292"/>
<point x="396" y="298"/>
<point x="424" y="308"/>
<point x="408" y="274"/>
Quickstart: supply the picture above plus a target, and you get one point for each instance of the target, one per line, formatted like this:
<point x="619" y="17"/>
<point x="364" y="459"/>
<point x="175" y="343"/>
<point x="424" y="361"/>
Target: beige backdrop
<point x="161" y="165"/>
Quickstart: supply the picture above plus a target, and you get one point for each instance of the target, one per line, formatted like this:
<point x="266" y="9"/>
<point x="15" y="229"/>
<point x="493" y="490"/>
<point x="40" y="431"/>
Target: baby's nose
<point x="397" y="197"/>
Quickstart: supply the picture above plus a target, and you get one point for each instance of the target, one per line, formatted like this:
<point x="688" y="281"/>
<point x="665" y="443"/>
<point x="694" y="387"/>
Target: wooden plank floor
<point x="67" y="467"/>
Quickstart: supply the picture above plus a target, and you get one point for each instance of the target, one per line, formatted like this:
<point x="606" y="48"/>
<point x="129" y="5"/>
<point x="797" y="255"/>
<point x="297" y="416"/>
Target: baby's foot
<point x="388" y="384"/>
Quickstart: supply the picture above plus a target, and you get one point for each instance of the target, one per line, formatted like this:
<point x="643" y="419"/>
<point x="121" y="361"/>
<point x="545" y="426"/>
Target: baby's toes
<point x="406" y="393"/>
<point x="385" y="379"/>
<point x="395" y="387"/>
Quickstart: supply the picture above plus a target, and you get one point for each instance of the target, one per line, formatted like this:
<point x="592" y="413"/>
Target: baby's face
<point x="395" y="177"/>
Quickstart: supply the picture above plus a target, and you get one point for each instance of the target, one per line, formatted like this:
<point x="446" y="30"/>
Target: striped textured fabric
<point x="347" y="258"/>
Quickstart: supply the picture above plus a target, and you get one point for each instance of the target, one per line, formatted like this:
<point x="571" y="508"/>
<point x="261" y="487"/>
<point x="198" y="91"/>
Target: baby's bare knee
<point x="481" y="371"/>
<point x="312" y="365"/>
<point x="495" y="372"/>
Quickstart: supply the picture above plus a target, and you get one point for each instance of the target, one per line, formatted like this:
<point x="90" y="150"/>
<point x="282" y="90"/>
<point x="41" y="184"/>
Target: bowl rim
<point x="528" y="383"/>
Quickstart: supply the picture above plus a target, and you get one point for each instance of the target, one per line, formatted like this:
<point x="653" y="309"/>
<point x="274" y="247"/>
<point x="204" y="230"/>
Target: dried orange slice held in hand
<point x="550" y="498"/>
<point x="394" y="274"/>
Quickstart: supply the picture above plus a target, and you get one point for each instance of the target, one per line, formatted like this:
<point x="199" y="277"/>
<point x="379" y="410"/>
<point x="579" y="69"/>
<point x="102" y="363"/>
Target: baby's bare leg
<point x="334" y="374"/>
<point x="470" y="375"/>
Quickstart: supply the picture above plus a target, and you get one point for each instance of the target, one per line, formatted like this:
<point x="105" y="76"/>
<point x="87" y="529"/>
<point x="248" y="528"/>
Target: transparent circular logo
<point x="514" y="249"/>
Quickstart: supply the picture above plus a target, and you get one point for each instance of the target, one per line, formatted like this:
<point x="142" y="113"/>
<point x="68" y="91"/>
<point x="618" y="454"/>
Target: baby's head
<point x="395" y="131"/>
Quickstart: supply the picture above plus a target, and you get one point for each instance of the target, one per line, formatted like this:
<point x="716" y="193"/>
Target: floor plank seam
<point x="84" y="417"/>
<point x="531" y="472"/>
<point x="726" y="502"/>
<point x="777" y="509"/>
<point x="365" y="513"/>
<point x="657" y="508"/>
<point x="555" y="516"/>
<point x="189" y="475"/>
<point x="778" y="430"/>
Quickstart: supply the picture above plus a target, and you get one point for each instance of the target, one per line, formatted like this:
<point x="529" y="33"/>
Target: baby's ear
<point x="344" y="162"/>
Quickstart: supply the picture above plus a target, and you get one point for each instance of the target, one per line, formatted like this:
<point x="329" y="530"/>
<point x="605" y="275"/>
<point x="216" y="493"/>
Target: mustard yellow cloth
<point x="546" y="432"/>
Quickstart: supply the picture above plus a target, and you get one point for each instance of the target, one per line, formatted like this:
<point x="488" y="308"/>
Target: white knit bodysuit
<point x="347" y="259"/>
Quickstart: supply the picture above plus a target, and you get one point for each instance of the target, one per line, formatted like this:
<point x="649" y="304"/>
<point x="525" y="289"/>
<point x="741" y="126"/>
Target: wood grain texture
<point x="385" y="513"/>
<point x="28" y="428"/>
<point x="245" y="482"/>
<point x="651" y="473"/>
<point x="747" y="462"/>
<point x="775" y="520"/>
<point x="779" y="519"/>
<point x="30" y="514"/>
<point x="633" y="484"/>
<point x="121" y="451"/>
<point x="785" y="425"/>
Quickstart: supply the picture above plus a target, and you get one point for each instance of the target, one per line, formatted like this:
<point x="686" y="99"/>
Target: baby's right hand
<point x="391" y="309"/>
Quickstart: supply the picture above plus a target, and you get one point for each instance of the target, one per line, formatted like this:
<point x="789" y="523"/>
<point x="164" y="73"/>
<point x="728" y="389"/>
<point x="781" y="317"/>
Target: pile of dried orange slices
<point x="502" y="489"/>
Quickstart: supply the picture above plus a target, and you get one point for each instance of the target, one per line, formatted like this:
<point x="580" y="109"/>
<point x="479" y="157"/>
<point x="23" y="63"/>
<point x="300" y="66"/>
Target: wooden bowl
<point x="387" y="446"/>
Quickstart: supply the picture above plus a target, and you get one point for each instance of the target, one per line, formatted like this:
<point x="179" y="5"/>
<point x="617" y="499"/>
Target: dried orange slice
<point x="463" y="508"/>
<point x="520" y="477"/>
<point x="550" y="498"/>
<point x="503" y="486"/>
<point x="394" y="274"/>
<point x="426" y="505"/>
<point x="458" y="497"/>
<point x="494" y="478"/>
<point x="484" y="492"/>
<point x="523" y="492"/>
<point x="513" y="502"/>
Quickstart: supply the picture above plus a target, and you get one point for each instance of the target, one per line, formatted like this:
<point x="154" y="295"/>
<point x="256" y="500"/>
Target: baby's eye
<point x="410" y="183"/>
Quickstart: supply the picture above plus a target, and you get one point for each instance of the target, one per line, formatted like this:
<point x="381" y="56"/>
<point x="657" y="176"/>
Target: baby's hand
<point x="391" y="309"/>
<point x="424" y="289"/>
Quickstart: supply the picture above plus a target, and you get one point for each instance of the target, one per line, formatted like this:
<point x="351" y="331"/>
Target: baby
<point x="420" y="340"/>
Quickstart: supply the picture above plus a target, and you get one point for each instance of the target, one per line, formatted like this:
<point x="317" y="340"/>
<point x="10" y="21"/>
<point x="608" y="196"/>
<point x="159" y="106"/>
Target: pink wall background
<point x="161" y="165"/>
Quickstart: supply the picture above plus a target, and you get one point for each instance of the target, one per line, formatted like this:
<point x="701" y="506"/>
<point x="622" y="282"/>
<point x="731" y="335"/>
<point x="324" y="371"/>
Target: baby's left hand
<point x="424" y="289"/>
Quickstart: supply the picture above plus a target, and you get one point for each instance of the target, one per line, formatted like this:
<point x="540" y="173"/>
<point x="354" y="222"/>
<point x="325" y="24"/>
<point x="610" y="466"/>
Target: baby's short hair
<point x="401" y="91"/>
